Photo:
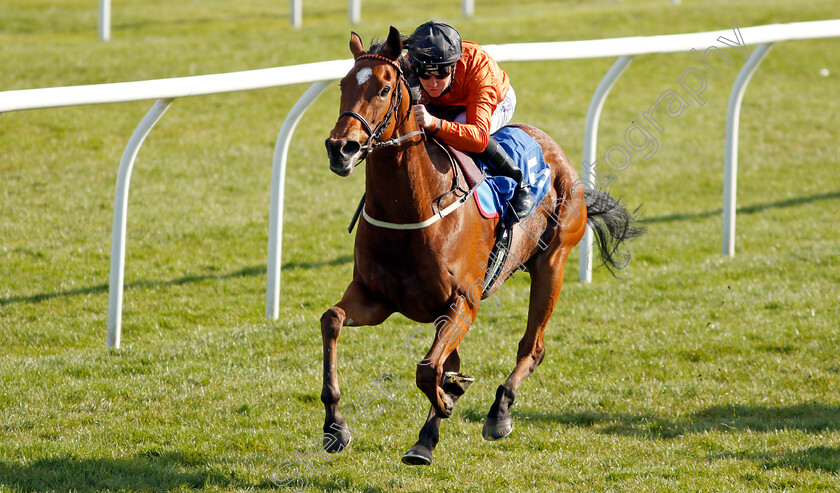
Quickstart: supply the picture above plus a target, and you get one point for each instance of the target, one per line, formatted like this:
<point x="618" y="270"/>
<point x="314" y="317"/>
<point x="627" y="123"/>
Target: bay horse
<point x="411" y="260"/>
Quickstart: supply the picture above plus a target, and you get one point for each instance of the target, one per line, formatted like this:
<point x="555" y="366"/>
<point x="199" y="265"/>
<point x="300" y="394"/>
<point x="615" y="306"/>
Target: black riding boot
<point x="500" y="163"/>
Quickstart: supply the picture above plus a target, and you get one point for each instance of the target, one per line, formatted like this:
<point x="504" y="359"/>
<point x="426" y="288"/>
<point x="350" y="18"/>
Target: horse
<point x="425" y="264"/>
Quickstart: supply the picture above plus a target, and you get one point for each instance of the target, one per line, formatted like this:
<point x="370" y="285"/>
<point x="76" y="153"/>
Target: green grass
<point x="696" y="372"/>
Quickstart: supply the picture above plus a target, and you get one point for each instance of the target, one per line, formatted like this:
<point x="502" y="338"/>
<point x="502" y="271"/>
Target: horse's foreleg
<point x="546" y="282"/>
<point x="450" y="330"/>
<point x="357" y="307"/>
<point x="421" y="452"/>
<point x="441" y="358"/>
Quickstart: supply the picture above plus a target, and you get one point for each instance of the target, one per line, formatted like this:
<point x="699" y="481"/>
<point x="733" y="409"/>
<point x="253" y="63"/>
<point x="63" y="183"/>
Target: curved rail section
<point x="120" y="212"/>
<point x="321" y="73"/>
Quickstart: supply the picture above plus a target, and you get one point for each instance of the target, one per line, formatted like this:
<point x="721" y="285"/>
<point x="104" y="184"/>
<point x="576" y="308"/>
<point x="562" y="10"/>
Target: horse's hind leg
<point x="546" y="281"/>
<point x="356" y="307"/>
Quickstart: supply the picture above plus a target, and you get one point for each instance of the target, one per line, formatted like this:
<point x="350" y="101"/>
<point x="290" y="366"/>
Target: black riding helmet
<point x="434" y="45"/>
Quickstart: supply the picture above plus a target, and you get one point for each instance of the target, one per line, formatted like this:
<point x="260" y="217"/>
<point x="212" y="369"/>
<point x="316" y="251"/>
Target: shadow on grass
<point x="748" y="209"/>
<point x="811" y="418"/>
<point x="254" y="271"/>
<point x="103" y="288"/>
<point x="811" y="459"/>
<point x="825" y="459"/>
<point x="151" y="471"/>
<point x="338" y="484"/>
<point x="344" y="259"/>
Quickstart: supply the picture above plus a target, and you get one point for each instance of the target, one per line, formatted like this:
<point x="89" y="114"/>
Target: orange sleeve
<point x="480" y="87"/>
<point x="473" y="135"/>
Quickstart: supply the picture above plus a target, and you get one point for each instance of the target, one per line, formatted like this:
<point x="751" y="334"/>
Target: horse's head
<point x="371" y="98"/>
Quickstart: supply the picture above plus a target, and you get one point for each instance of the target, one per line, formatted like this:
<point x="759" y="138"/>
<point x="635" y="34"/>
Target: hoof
<point x="495" y="430"/>
<point x="456" y="384"/>
<point x="418" y="455"/>
<point x="337" y="440"/>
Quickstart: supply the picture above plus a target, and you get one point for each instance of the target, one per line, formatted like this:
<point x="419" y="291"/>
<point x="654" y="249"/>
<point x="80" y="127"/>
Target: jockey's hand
<point x="424" y="118"/>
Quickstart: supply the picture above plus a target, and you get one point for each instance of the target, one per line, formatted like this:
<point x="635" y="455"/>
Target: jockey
<point x="456" y="73"/>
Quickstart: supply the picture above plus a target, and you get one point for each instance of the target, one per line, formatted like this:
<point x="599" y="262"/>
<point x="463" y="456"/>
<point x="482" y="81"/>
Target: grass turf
<point x="694" y="373"/>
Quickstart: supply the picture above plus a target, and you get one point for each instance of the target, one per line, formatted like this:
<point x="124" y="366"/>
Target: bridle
<point x="396" y="101"/>
<point x="373" y="143"/>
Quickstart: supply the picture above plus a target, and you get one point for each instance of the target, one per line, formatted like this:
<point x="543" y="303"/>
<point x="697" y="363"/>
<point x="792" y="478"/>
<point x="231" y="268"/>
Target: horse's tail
<point x="613" y="225"/>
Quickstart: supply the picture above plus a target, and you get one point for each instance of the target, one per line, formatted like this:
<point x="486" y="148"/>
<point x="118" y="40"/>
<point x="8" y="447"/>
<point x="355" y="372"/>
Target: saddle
<point x="494" y="191"/>
<point x="470" y="170"/>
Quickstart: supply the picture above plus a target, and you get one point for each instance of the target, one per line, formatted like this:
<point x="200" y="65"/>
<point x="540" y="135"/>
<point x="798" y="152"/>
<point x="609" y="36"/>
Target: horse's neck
<point x="401" y="183"/>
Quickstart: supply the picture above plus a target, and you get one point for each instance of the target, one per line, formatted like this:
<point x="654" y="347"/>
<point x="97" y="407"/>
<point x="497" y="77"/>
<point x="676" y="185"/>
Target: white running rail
<point x="167" y="90"/>
<point x="354" y="14"/>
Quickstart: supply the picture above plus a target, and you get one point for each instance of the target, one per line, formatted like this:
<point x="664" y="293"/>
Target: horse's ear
<point x="393" y="47"/>
<point x="356" y="46"/>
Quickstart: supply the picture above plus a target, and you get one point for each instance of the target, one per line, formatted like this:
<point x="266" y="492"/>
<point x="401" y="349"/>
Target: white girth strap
<point x="423" y="224"/>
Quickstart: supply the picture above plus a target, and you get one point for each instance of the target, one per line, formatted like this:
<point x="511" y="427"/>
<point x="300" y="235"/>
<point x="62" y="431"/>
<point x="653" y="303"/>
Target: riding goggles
<point x="438" y="72"/>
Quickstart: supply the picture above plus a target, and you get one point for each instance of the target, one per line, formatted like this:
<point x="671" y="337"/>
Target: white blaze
<point x="363" y="75"/>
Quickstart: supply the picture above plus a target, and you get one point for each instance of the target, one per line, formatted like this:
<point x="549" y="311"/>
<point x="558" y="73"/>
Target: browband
<point x="381" y="58"/>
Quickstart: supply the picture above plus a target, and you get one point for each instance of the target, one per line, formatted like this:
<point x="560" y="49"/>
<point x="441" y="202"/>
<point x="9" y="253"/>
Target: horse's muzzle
<point x="343" y="154"/>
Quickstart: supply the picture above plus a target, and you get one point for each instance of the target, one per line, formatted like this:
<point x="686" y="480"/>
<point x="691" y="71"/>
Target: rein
<point x="396" y="100"/>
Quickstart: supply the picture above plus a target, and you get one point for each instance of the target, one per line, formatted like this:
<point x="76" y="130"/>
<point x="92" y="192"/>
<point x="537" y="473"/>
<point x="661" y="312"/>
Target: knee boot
<point x="501" y="164"/>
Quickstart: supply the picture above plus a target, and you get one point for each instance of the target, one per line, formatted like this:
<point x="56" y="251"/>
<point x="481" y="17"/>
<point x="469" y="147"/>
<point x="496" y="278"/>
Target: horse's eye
<point x="385" y="91"/>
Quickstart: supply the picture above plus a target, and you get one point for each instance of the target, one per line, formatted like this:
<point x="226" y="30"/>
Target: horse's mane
<point x="378" y="48"/>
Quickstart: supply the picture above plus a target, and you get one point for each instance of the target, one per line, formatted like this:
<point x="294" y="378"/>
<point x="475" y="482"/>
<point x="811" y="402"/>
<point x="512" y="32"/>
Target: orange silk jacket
<point x="478" y="85"/>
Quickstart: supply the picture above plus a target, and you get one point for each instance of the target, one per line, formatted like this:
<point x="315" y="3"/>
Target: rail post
<point x="278" y="185"/>
<point x="730" y="158"/>
<point x="590" y="143"/>
<point x="115" y="291"/>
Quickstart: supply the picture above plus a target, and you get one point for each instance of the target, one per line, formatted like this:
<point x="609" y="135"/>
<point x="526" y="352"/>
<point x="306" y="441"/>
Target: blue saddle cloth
<point x="494" y="192"/>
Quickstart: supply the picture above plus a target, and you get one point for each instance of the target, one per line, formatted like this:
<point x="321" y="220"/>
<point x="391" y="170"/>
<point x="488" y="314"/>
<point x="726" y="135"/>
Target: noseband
<point x="396" y="100"/>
